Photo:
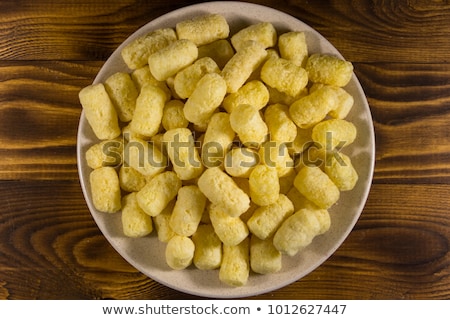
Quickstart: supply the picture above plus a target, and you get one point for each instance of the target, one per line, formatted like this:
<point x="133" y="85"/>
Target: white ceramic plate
<point x="147" y="254"/>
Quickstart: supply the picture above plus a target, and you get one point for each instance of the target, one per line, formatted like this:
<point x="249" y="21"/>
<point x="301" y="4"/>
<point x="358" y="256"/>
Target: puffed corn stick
<point x="135" y="222"/>
<point x="149" y="111"/>
<point x="188" y="210"/>
<point x="218" y="139"/>
<point x="203" y="29"/>
<point x="264" y="257"/>
<point x="220" y="51"/>
<point x="130" y="179"/>
<point x="299" y="230"/>
<point x="329" y="69"/>
<point x="99" y="111"/>
<point x="331" y="133"/>
<point x="183" y="154"/>
<point x="313" y="108"/>
<point x="221" y="190"/>
<point x="123" y="93"/>
<point x="230" y="230"/>
<point x="293" y="47"/>
<point x="267" y="219"/>
<point x="173" y="115"/>
<point x="239" y="162"/>
<point x="344" y="101"/>
<point x="341" y="171"/>
<point x="317" y="187"/>
<point x="239" y="68"/>
<point x="208" y="248"/>
<point x="205" y="99"/>
<point x="105" y="189"/>
<point x="143" y="76"/>
<point x="285" y="76"/>
<point x="144" y="157"/>
<point x="247" y="122"/>
<point x="279" y="123"/>
<point x="107" y="153"/>
<point x="235" y="267"/>
<point x="162" y="223"/>
<point x="276" y="154"/>
<point x="136" y="53"/>
<point x="263" y="32"/>
<point x="179" y="252"/>
<point x="158" y="192"/>
<point x="254" y="93"/>
<point x="186" y="80"/>
<point x="171" y="59"/>
<point x="264" y="185"/>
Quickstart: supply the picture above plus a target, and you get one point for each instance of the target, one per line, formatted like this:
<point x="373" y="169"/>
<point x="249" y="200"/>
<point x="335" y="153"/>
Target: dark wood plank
<point x="410" y="108"/>
<point x="367" y="31"/>
<point x="39" y="113"/>
<point x="362" y="30"/>
<point x="50" y="248"/>
<point x="91" y="30"/>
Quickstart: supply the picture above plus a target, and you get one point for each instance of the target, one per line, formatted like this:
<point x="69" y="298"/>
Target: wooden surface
<point x="50" y="247"/>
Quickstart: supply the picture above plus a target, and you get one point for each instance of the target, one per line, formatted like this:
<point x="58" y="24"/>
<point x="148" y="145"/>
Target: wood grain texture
<point x="410" y="105"/>
<point x="40" y="101"/>
<point x="372" y="31"/>
<point x="40" y="112"/>
<point x="48" y="240"/>
<point x="362" y="30"/>
<point x="50" y="247"/>
<point x="61" y="30"/>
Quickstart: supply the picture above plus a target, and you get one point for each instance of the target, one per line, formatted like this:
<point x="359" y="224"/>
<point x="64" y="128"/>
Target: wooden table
<point x="50" y="247"/>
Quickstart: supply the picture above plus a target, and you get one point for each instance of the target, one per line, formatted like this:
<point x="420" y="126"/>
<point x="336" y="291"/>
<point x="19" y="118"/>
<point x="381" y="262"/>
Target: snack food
<point x="136" y="223"/>
<point x="137" y="52"/>
<point x="218" y="139"/>
<point x="293" y="47"/>
<point x="267" y="219"/>
<point x="248" y="124"/>
<point x="186" y="80"/>
<point x="298" y="230"/>
<point x="203" y="29"/>
<point x="188" y="210"/>
<point x="105" y="189"/>
<point x="254" y="93"/>
<point x="313" y="108"/>
<point x="179" y="252"/>
<point x="264" y="257"/>
<point x="180" y="147"/>
<point x="235" y="266"/>
<point x="241" y="65"/>
<point x="168" y="61"/>
<point x="230" y="230"/>
<point x="328" y="69"/>
<point x="263" y="33"/>
<point x="205" y="99"/>
<point x="99" y="111"/>
<point x="149" y="111"/>
<point x="264" y="185"/>
<point x="317" y="187"/>
<point x="221" y="190"/>
<point x="252" y="123"/>
<point x="158" y="192"/>
<point x="208" y="248"/>
<point x="285" y="76"/>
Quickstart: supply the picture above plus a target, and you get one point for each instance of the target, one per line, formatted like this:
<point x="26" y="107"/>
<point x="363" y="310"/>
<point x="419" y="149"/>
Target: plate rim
<point x="229" y="293"/>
